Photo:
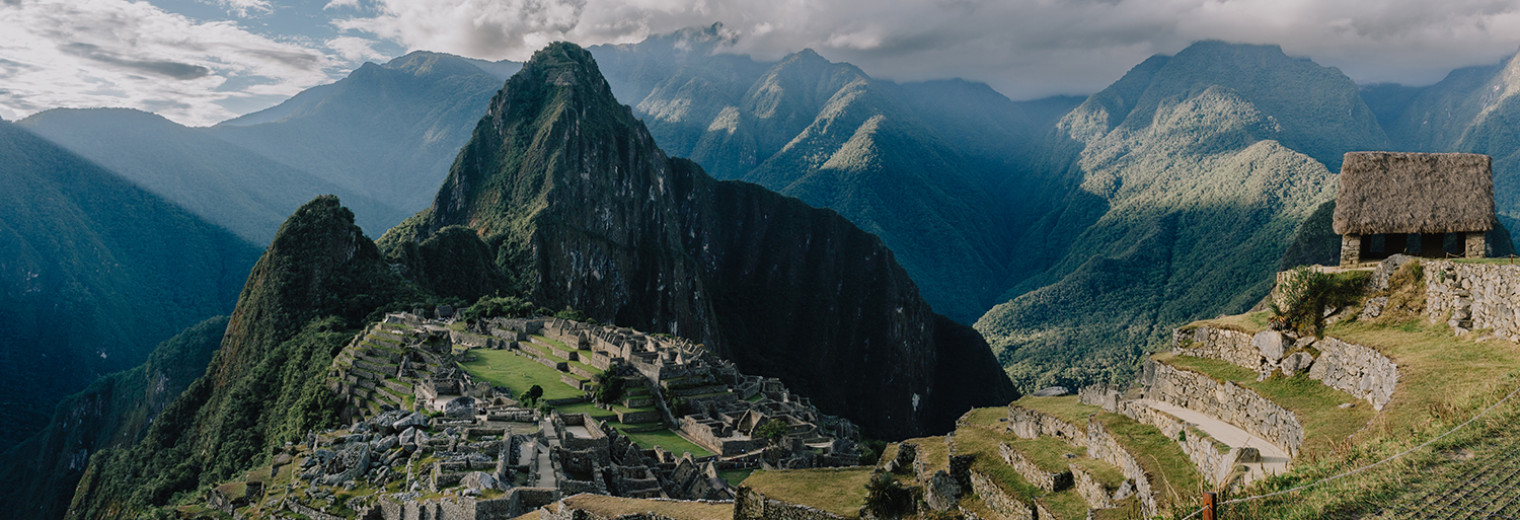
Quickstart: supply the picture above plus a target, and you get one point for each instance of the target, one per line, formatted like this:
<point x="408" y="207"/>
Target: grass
<point x="667" y="439"/>
<point x="1501" y="261"/>
<point x="1173" y="476"/>
<point x="734" y="476"/>
<point x="838" y="491"/>
<point x="1443" y="382"/>
<point x="517" y="373"/>
<point x="980" y="433"/>
<point x="1250" y="323"/>
<point x="934" y="452"/>
<point x="614" y="507"/>
<point x="1317" y="406"/>
<point x="1066" y="504"/>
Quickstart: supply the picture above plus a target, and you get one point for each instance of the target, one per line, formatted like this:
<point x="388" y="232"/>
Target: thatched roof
<point x="1388" y="192"/>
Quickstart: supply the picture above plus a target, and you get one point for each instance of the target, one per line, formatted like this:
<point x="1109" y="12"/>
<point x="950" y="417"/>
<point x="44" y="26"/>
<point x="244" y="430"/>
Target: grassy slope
<point x="838" y="491"/>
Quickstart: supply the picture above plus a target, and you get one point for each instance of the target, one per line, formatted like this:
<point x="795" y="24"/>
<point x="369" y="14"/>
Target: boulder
<point x="415" y="419"/>
<point x="460" y="407"/>
<point x="408" y="437"/>
<point x="943" y="493"/>
<point x="1373" y="308"/>
<point x="386" y="444"/>
<point x="478" y="481"/>
<point x="1272" y="344"/>
<point x="1297" y="362"/>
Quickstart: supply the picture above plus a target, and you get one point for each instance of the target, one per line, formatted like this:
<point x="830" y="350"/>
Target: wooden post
<point x="1210" y="506"/>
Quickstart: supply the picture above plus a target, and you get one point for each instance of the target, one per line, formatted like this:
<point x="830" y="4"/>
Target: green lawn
<point x="517" y="372"/>
<point x="668" y="440"/>
<point x="735" y="476"/>
<point x="838" y="491"/>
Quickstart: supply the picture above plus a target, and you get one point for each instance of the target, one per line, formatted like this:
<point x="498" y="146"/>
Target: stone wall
<point x="1101" y="445"/>
<point x="1000" y="501"/>
<point x="1225" y="401"/>
<point x="1031" y="472"/>
<point x="1360" y="371"/>
<point x="1216" y="343"/>
<point x="1357" y="370"/>
<point x="1091" y="490"/>
<point x="751" y="505"/>
<point x="1474" y="296"/>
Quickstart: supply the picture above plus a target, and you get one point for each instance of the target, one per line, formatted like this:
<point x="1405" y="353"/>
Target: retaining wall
<point x="751" y="505"/>
<point x="1101" y="445"/>
<point x="1360" y="371"/>
<point x="1474" y="296"/>
<point x="1225" y="401"/>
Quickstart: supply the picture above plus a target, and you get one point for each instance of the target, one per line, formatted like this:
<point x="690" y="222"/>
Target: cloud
<point x="353" y="49"/>
<point x="243" y="8"/>
<point x="1025" y="48"/>
<point x="90" y="53"/>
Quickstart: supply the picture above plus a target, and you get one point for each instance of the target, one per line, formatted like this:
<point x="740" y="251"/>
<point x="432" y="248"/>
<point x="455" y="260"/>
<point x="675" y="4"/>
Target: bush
<point x="608" y="389"/>
<point x="887" y="498"/>
<point x="773" y="430"/>
<point x="1306" y="294"/>
<point x="532" y="395"/>
<point x="498" y="307"/>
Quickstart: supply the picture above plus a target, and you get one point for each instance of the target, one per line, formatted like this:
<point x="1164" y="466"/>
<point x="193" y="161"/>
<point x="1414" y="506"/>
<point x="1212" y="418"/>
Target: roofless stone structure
<point x="1387" y="196"/>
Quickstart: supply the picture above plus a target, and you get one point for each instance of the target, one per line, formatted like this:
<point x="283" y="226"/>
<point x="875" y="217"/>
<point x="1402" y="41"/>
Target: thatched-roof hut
<point x="1395" y="195"/>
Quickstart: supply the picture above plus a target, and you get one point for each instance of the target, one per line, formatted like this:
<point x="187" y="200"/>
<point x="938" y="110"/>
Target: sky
<point x="199" y="62"/>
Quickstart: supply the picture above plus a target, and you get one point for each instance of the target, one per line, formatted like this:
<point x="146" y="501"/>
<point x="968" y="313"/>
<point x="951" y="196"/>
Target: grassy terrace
<point x="669" y="440"/>
<point x="517" y="372"/>
<point x="978" y="435"/>
<point x="1249" y="323"/>
<point x="1443" y="382"/>
<point x="838" y="491"/>
<point x="1317" y="406"/>
<point x="934" y="452"/>
<point x="1173" y="476"/>
<point x="541" y="351"/>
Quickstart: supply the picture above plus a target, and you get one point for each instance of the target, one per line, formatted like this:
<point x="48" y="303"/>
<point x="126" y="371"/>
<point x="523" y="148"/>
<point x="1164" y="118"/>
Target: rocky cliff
<point x="579" y="207"/>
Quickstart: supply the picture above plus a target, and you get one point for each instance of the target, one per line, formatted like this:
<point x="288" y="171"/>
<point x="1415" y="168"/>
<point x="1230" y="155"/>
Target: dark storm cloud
<point x="176" y="70"/>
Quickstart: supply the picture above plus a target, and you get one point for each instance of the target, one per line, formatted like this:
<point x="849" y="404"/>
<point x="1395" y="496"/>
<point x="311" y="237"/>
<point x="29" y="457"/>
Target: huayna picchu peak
<point x="578" y="207"/>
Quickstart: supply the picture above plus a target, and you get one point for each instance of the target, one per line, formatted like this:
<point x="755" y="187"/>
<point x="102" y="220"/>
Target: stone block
<point x="1271" y="344"/>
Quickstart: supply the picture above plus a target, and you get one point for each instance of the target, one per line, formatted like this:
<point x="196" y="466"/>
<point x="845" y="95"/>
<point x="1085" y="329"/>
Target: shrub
<point x="773" y="430"/>
<point x="498" y="307"/>
<point x="887" y="498"/>
<point x="608" y="389"/>
<point x="1306" y="294"/>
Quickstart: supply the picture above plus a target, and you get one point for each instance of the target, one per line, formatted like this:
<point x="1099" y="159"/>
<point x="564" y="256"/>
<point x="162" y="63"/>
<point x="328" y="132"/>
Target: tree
<point x="773" y="430"/>
<point x="533" y="394"/>
<point x="608" y="389"/>
<point x="887" y="498"/>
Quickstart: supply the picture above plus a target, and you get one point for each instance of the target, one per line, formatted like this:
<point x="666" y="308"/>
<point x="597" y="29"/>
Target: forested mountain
<point x="319" y="280"/>
<point x="1474" y="110"/>
<point x="386" y="132"/>
<point x="1187" y="179"/>
<point x="566" y="193"/>
<point x="95" y="272"/>
<point x="914" y="164"/>
<point x="245" y="192"/>
<point x="37" y="476"/>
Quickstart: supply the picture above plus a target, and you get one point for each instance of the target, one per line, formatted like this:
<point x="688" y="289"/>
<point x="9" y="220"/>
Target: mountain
<point x="1186" y="181"/>
<point x="242" y="191"/>
<point x="566" y="193"/>
<point x="37" y="476"/>
<point x="319" y="280"/>
<point x="386" y="132"/>
<point x="96" y="271"/>
<point x="1473" y="110"/>
<point x="915" y="164"/>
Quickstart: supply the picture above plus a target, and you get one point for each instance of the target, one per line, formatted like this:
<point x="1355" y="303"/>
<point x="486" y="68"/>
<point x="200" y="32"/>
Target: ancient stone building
<point x="1385" y="197"/>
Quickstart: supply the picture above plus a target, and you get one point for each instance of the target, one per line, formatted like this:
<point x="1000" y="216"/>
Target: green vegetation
<point x="838" y="491"/>
<point x="669" y="440"/>
<point x="887" y="498"/>
<point x="497" y="307"/>
<point x="1326" y="424"/>
<point x="1306" y="294"/>
<point x="517" y="372"/>
<point x="773" y="430"/>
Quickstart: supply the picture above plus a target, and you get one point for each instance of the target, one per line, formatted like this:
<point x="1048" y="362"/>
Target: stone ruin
<point x="436" y="443"/>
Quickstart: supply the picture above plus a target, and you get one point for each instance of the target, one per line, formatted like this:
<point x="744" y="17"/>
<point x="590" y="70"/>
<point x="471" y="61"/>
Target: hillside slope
<point x="914" y="164"/>
<point x="96" y="271"/>
<point x="1186" y="180"/>
<point x="240" y="190"/>
<point x="37" y="476"/>
<point x="578" y="207"/>
<point x="315" y="285"/>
